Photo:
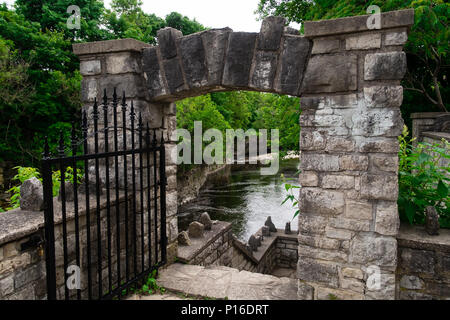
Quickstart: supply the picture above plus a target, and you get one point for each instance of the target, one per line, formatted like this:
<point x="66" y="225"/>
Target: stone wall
<point x="428" y="122"/>
<point x="349" y="78"/>
<point x="22" y="259"/>
<point x="423" y="271"/>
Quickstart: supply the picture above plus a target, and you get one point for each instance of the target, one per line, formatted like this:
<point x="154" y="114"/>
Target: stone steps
<point x="225" y="283"/>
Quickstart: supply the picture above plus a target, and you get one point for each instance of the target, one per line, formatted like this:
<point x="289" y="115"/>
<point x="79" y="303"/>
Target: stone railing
<point x="423" y="271"/>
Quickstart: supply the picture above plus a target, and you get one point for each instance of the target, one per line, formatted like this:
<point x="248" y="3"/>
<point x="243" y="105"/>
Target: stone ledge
<point x="188" y="253"/>
<point x="109" y="46"/>
<point x="391" y="19"/>
<point x="416" y="237"/>
<point x="437" y="135"/>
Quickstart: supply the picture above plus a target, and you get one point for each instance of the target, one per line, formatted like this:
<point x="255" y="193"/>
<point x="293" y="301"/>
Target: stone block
<point x="167" y="40"/>
<point x="360" y="210"/>
<point x="122" y="63"/>
<point x="418" y="261"/>
<point x="383" y="96"/>
<point x="411" y="282"/>
<point x="372" y="249"/>
<point x="312" y="223"/>
<point x="174" y="75"/>
<point x="340" y="75"/>
<point x="319" y="162"/>
<point x="338" y="234"/>
<point x="7" y="285"/>
<point x="152" y="72"/>
<point x="353" y="285"/>
<point x="352" y="273"/>
<point x="381" y="187"/>
<point x="375" y="123"/>
<point x="293" y="57"/>
<point x="363" y="42"/>
<point x="131" y="84"/>
<point x="90" y="67"/>
<point x="354" y="163"/>
<point x="321" y="201"/>
<point x="239" y="59"/>
<point x="305" y="291"/>
<point x="325" y="45"/>
<point x="312" y="140"/>
<point x="380" y="287"/>
<point x="196" y="230"/>
<point x="272" y="29"/>
<point x="216" y="41"/>
<point x="338" y="144"/>
<point x="27" y="276"/>
<point x="193" y="57"/>
<point x="314" y="271"/>
<point x="338" y="182"/>
<point x="396" y="38"/>
<point x="265" y="66"/>
<point x="350" y="224"/>
<point x="89" y="89"/>
<point x="387" y="219"/>
<point x="309" y="179"/>
<point x="385" y="66"/>
<point x="32" y="195"/>
<point x="385" y="163"/>
<point x="378" y="145"/>
<point x="319" y="242"/>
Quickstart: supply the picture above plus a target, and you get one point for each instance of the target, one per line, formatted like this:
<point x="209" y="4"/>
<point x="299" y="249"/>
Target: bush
<point x="423" y="181"/>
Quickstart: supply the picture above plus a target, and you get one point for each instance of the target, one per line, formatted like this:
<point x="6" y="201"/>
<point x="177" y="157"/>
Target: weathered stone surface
<point x="354" y="163"/>
<point x="90" y="67"/>
<point x="352" y="273"/>
<point x="320" y="162"/>
<point x="340" y="144"/>
<point x="360" y="210"/>
<point x="379" y="145"/>
<point x="196" y="230"/>
<point x="264" y="70"/>
<point x="387" y="220"/>
<point x="309" y="179"/>
<point x="6" y="286"/>
<point x="312" y="140"/>
<point x="253" y="243"/>
<point x="318" y="242"/>
<point x="389" y="19"/>
<point x="312" y="270"/>
<point x="385" y="163"/>
<point x="418" y="261"/>
<point x="374" y="123"/>
<point x="270" y="34"/>
<point x="205" y="220"/>
<point x="325" y="45"/>
<point x="193" y="58"/>
<point x="321" y="201"/>
<point x="239" y="59"/>
<point x="339" y="234"/>
<point x="109" y="46"/>
<point x="167" y="40"/>
<point x="183" y="239"/>
<point x="380" y="187"/>
<point x="431" y="221"/>
<point x="395" y="38"/>
<point x="174" y="75"/>
<point x="89" y="89"/>
<point x="334" y="294"/>
<point x="363" y="42"/>
<point x="293" y="57"/>
<point x="32" y="195"/>
<point x="287" y="229"/>
<point x="215" y="40"/>
<point x="265" y="231"/>
<point x="305" y="291"/>
<point x="338" y="182"/>
<point x="383" y="96"/>
<point x="152" y="72"/>
<point x="340" y="75"/>
<point x="270" y="224"/>
<point x="385" y="66"/>
<point x="369" y="248"/>
<point x="68" y="192"/>
<point x="380" y="286"/>
<point x="123" y="63"/>
<point x="411" y="282"/>
<point x="27" y="276"/>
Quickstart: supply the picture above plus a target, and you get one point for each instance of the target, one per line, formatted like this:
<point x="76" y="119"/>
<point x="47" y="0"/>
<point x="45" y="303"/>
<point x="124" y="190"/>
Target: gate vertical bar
<point x="141" y="181"/>
<point x="149" y="203"/>
<point x="125" y="180"/>
<point x="133" y="181"/>
<point x="163" y="184"/>
<point x="49" y="224"/>
<point x="155" y="186"/>
<point x="75" y="202"/>
<point x="62" y="171"/>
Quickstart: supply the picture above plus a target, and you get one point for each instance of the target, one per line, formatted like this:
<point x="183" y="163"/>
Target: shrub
<point x="423" y="181"/>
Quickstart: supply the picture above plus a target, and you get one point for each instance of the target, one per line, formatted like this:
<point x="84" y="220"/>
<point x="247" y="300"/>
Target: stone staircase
<point x="219" y="282"/>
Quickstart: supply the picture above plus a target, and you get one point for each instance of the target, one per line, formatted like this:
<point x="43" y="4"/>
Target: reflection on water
<point x="245" y="200"/>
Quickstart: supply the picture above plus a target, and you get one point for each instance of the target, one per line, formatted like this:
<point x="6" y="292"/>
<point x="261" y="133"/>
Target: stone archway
<point x="349" y="79"/>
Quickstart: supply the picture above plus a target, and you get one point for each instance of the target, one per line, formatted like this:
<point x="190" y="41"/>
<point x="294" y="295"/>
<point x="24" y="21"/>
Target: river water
<point x="245" y="198"/>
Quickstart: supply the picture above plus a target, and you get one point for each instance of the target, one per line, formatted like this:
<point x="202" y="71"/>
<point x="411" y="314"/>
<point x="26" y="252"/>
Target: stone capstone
<point x="265" y="231"/>
<point x="206" y="220"/>
<point x="253" y="243"/>
<point x="270" y="224"/>
<point x="431" y="221"/>
<point x="194" y="60"/>
<point x="167" y="40"/>
<point x="32" y="195"/>
<point x="270" y="34"/>
<point x="196" y="230"/>
<point x="152" y="72"/>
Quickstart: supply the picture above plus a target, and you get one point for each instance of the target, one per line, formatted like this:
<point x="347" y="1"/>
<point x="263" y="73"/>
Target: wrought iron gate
<point x="106" y="231"/>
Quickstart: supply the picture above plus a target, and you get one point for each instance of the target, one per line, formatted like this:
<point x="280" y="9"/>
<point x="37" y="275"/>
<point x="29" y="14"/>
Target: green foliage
<point x="427" y="46"/>
<point x="423" y="181"/>
<point x="291" y="197"/>
<point x="150" y="286"/>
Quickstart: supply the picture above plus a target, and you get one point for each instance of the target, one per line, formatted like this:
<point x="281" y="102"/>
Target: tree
<point x="427" y="47"/>
<point x="182" y="23"/>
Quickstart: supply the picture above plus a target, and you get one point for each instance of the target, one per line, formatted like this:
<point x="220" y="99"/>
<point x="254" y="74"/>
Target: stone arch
<point x="349" y="79"/>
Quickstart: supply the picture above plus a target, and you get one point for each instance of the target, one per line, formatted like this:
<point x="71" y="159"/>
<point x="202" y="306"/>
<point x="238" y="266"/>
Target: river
<point x="246" y="199"/>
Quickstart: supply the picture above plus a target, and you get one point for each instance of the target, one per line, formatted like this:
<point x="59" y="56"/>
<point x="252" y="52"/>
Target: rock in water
<point x="183" y="239"/>
<point x="431" y="221"/>
<point x="206" y="220"/>
<point x="32" y="195"/>
<point x="270" y="224"/>
<point x="253" y="243"/>
<point x="287" y="229"/>
<point x="265" y="231"/>
<point x="196" y="230"/>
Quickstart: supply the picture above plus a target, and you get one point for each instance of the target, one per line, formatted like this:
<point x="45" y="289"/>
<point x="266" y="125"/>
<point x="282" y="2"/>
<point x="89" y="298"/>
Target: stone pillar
<point x="118" y="64"/>
<point x="351" y="99"/>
